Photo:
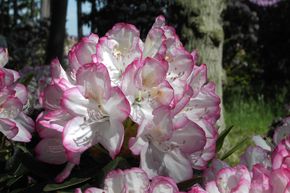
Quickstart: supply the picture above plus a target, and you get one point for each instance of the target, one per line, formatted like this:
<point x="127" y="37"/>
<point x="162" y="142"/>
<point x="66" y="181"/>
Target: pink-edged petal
<point x="178" y="166"/>
<point x="6" y="78"/>
<point x="260" y="179"/>
<point x="136" y="145"/>
<point x="111" y="136"/>
<point x="57" y="72"/>
<point x="82" y="52"/>
<point x="159" y="22"/>
<point x="262" y="143"/>
<point x="197" y="189"/>
<point x="117" y="106"/>
<point x="279" y="180"/>
<point x="180" y="64"/>
<point x="8" y="128"/>
<point x="5" y="94"/>
<point x="3" y="57"/>
<point x="115" y="181"/>
<point x="25" y="122"/>
<point x="282" y="131"/>
<point x="78" y="136"/>
<point x="10" y="108"/>
<point x="136" y="180"/>
<point x="23" y="135"/>
<point x="12" y="76"/>
<point x="162" y="127"/>
<point x="51" y="97"/>
<point x="119" y="48"/>
<point x="198" y="77"/>
<point x="44" y="129"/>
<point x="96" y="81"/>
<point x="234" y="179"/>
<point x="255" y="155"/>
<point x="25" y="127"/>
<point x="162" y="184"/>
<point x="204" y="106"/>
<point x="201" y="158"/>
<point x="95" y="190"/>
<point x="128" y="83"/>
<point x="162" y="95"/>
<point x="182" y="95"/>
<point x="21" y="93"/>
<point x="65" y="173"/>
<point x="152" y="73"/>
<point x="211" y="187"/>
<point x="74" y="102"/>
<point x="154" y="46"/>
<point x="189" y="136"/>
<point x="54" y="120"/>
<point x="51" y="150"/>
<point x="172" y="164"/>
<point x="215" y="166"/>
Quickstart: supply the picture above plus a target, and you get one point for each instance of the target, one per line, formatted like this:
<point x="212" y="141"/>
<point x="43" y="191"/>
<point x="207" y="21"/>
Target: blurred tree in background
<point x="25" y="32"/>
<point x="256" y="49"/>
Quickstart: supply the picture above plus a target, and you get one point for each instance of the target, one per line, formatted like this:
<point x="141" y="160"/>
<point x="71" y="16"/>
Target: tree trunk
<point x="55" y="44"/>
<point x="93" y="15"/>
<point x="79" y="14"/>
<point x="45" y="9"/>
<point x="204" y="28"/>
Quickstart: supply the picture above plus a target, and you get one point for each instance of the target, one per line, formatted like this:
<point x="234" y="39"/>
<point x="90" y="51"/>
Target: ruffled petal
<point x="21" y="93"/>
<point x="119" y="48"/>
<point x="117" y="106"/>
<point x="189" y="136"/>
<point x="8" y="128"/>
<point x="78" y="136"/>
<point x="152" y="73"/>
<point x="51" y="150"/>
<point x="74" y="102"/>
<point x="96" y="81"/>
<point x="111" y="136"/>
<point x="154" y="46"/>
<point x="10" y="108"/>
<point x="162" y="184"/>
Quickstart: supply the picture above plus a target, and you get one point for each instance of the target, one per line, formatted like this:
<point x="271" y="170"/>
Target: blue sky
<point x="71" y="18"/>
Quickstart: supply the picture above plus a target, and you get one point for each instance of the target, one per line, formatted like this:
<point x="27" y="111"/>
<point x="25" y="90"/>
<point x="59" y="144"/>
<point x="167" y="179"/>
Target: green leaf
<point x="235" y="148"/>
<point x="66" y="184"/>
<point x="113" y="165"/>
<point x="221" y="138"/>
<point x="26" y="80"/>
<point x="13" y="180"/>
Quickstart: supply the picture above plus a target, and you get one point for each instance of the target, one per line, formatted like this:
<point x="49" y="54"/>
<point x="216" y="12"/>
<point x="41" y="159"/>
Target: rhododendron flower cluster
<point x="155" y="83"/>
<point x="261" y="170"/>
<point x="14" y="124"/>
<point x="136" y="180"/>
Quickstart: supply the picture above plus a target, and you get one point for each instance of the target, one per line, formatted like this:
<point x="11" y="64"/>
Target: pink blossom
<point x="82" y="53"/>
<point x="255" y="155"/>
<point x="215" y="166"/>
<point x="14" y="124"/>
<point x="282" y="131"/>
<point x="231" y="180"/>
<point x="98" y="111"/>
<point x="165" y="147"/>
<point x="281" y="154"/>
<point x="135" y="180"/>
<point x="260" y="179"/>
